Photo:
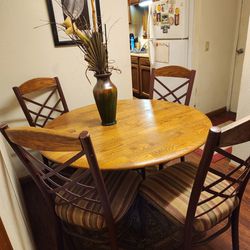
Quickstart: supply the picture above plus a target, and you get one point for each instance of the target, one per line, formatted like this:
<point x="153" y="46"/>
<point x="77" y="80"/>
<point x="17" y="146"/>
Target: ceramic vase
<point x="105" y="94"/>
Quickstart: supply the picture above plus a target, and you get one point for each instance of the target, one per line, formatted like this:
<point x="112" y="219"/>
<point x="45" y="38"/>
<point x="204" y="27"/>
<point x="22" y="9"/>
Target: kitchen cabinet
<point x="135" y="75"/>
<point x="140" y="68"/>
<point x="133" y="2"/>
<point x="129" y="13"/>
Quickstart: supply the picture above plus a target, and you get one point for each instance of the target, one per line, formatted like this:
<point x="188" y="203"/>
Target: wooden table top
<point x="148" y="132"/>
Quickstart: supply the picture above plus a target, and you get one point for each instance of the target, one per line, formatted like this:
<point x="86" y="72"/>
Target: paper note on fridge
<point x="161" y="51"/>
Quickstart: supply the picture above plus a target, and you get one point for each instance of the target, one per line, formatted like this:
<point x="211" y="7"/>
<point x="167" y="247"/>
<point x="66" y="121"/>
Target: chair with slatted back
<point x="201" y="199"/>
<point x="41" y="100"/>
<point x="90" y="199"/>
<point x="173" y="84"/>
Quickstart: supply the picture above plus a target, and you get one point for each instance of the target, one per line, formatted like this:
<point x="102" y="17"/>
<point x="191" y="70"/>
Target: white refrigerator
<point x="168" y="33"/>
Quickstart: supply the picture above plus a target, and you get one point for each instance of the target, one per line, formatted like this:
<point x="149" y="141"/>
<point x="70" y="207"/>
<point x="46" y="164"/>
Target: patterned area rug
<point x="143" y="228"/>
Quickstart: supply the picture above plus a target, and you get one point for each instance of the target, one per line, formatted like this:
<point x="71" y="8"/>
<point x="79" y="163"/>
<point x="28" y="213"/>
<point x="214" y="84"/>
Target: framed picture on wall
<point x="80" y="9"/>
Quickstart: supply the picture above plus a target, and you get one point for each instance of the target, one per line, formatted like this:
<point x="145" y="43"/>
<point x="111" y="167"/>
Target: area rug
<point x="216" y="156"/>
<point x="143" y="228"/>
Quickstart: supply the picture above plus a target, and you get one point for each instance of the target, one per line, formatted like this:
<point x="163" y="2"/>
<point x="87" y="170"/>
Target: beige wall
<point x="215" y="22"/>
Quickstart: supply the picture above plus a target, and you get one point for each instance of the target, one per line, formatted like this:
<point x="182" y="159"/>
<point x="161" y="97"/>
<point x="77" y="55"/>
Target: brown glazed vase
<point x="105" y="93"/>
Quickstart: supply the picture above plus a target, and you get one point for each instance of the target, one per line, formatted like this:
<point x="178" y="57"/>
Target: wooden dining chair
<point x="200" y="198"/>
<point x="172" y="83"/>
<point x="41" y="100"/>
<point x="90" y="199"/>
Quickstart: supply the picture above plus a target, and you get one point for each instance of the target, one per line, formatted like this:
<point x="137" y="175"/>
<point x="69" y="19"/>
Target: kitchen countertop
<point x="139" y="54"/>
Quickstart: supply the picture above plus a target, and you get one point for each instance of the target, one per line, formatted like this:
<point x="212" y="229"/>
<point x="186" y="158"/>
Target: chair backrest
<point x="217" y="141"/>
<point x="172" y="83"/>
<point x="41" y="100"/>
<point x="55" y="186"/>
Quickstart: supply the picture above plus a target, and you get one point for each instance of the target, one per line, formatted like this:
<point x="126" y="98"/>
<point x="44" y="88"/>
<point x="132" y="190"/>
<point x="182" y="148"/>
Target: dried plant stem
<point x="93" y="15"/>
<point x="106" y="45"/>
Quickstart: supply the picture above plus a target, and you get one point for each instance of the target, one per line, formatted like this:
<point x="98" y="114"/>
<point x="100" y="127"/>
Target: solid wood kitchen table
<point x="148" y="132"/>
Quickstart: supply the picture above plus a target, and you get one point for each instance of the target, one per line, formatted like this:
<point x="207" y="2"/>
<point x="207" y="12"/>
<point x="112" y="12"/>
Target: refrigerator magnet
<point x="164" y="18"/>
<point x="165" y="28"/>
<point x="158" y="17"/>
<point x="165" y="7"/>
<point x="171" y="9"/>
<point x="177" y="16"/>
<point x="171" y="20"/>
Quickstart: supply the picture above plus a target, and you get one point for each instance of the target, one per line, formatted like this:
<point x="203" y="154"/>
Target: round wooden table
<point x="148" y="132"/>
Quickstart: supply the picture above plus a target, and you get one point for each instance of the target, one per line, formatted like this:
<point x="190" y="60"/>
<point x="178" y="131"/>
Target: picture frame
<point x="56" y="16"/>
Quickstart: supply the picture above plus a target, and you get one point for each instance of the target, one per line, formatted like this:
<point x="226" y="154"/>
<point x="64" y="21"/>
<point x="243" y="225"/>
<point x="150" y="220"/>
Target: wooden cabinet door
<point x="144" y="80"/>
<point x="132" y="2"/>
<point x="129" y="13"/>
<point x="135" y="78"/>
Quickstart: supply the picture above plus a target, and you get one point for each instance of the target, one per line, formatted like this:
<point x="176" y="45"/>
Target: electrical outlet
<point x="207" y="45"/>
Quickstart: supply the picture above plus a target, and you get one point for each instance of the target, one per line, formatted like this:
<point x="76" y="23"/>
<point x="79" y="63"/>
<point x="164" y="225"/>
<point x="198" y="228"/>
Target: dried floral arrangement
<point x="92" y="42"/>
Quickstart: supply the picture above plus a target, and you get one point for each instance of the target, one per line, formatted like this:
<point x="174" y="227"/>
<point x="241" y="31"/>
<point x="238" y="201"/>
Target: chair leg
<point x="141" y="215"/>
<point x="187" y="244"/>
<point x="113" y="241"/>
<point x="161" y="166"/>
<point x="235" y="229"/>
<point x="186" y="247"/>
<point x="187" y="241"/>
<point x="59" y="234"/>
<point x="143" y="173"/>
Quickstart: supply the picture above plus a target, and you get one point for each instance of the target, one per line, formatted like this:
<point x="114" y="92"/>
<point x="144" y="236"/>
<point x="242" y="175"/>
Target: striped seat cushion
<point x="122" y="188"/>
<point x="169" y="190"/>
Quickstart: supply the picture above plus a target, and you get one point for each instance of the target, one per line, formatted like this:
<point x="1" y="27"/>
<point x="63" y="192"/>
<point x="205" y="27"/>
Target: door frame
<point x="236" y="42"/>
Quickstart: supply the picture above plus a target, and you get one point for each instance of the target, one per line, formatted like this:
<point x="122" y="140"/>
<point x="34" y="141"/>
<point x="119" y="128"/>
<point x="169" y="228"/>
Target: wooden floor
<point x="219" y="118"/>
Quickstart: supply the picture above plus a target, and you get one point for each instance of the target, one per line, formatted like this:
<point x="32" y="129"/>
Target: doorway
<point x="239" y="56"/>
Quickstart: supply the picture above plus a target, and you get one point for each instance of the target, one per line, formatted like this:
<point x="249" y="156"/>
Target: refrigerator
<point x="168" y="33"/>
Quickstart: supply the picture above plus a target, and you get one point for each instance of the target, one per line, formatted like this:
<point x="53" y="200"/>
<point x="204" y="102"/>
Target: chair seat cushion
<point x="122" y="188"/>
<point x="169" y="190"/>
